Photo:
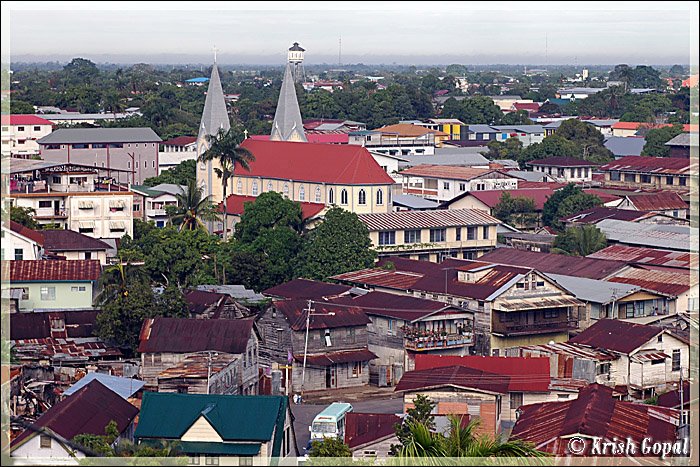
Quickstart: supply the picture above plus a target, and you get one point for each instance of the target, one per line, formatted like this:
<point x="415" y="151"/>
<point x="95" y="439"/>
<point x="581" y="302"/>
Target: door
<point x="530" y="318"/>
<point x="328" y="377"/>
<point x="334" y="383"/>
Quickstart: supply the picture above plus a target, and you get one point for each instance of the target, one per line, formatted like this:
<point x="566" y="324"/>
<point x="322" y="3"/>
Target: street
<point x="305" y="413"/>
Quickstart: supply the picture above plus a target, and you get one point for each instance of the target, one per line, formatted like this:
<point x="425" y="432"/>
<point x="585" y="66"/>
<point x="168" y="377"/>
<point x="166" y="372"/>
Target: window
<point x="247" y="461"/>
<point x="446" y="185"/>
<point x="48" y="293"/>
<point x="327" y="336"/>
<point x="37" y="128"/>
<point x="669" y="180"/>
<point x="438" y="235"/>
<point x="211" y="460"/>
<point x="658" y="361"/>
<point x="239" y="186"/>
<point x="285" y="190"/>
<point x="344" y="196"/>
<point x="145" y="164"/>
<point x="645" y="178"/>
<point x="136" y="207"/>
<point x="682" y="181"/>
<point x="387" y="237"/>
<point x="603" y="369"/>
<point x="351" y="334"/>
<point x="549" y="314"/>
<point x="462" y="187"/>
<point x="362" y="197"/>
<point x="55" y="179"/>
<point x="520" y="285"/>
<point x="380" y="197"/>
<point x="255" y="188"/>
<point x="614" y="176"/>
<point x="80" y="146"/>
<point x="485" y="232"/>
<point x="302" y="193"/>
<point x="317" y="194"/>
<point x="78" y="288"/>
<point x="194" y="459"/>
<point x="19" y="254"/>
<point x="116" y="145"/>
<point x="45" y="441"/>
<point x="516" y="400"/>
<point x="411" y="236"/>
<point x="356" y="369"/>
<point x="269" y="186"/>
<point x="540" y="284"/>
<point x="458" y="233"/>
<point x="659" y="338"/>
<point x="676" y="360"/>
<point x="99" y="146"/>
<point x="53" y="146"/>
<point x="20" y="128"/>
<point x="480" y="186"/>
<point x="128" y="164"/>
<point x="331" y="196"/>
<point x="471" y="233"/>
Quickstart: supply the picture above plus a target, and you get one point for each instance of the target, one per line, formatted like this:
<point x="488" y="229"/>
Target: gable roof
<point x="28" y="233"/>
<point x="643" y="255"/>
<point x="324" y="315"/>
<point x="24" y="326"/>
<point x="622" y="146"/>
<point x="408" y="129"/>
<point x="235" y="204"/>
<point x="78" y="270"/>
<point x="597" y="214"/>
<point x="397" y="306"/>
<point x="661" y="201"/>
<point x="100" y="135"/>
<point x="668" y="282"/>
<point x="320" y="163"/>
<point x="613" y="334"/>
<point x="560" y="161"/>
<point x="24" y="119"/>
<point x="676" y="237"/>
<point x="180" y="141"/>
<point x="402" y="220"/>
<point x="198" y="301"/>
<point x="56" y="240"/>
<point x="593" y="290"/>
<point x="594" y="413"/>
<point x="455" y="375"/>
<point x="215" y="114"/>
<point x="181" y="335"/>
<point x="170" y="415"/>
<point x="682" y="140"/>
<point x="125" y="387"/>
<point x="555" y="264"/>
<point x="525" y="374"/>
<point x="88" y="411"/>
<point x="306" y="289"/>
<point x="363" y="428"/>
<point x="287" y="125"/>
<point x="654" y="165"/>
<point x="450" y="172"/>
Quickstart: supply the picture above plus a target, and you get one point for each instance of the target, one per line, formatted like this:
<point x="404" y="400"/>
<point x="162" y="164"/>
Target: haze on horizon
<point x="600" y="33"/>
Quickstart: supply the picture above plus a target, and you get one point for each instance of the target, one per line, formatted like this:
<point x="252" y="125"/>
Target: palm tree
<point x="225" y="149"/>
<point x="580" y="241"/>
<point x="193" y="208"/>
<point x="116" y="278"/>
<point x="461" y="441"/>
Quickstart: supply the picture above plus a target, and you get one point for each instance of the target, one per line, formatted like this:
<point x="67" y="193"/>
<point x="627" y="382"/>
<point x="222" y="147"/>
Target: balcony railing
<point x="442" y="342"/>
<point x="540" y="327"/>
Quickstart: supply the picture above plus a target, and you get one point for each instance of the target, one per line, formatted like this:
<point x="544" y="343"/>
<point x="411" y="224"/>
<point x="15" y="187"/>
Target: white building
<point x="176" y="150"/>
<point x="20" y="242"/>
<point x="156" y="199"/>
<point x="20" y="134"/>
<point x="565" y="169"/>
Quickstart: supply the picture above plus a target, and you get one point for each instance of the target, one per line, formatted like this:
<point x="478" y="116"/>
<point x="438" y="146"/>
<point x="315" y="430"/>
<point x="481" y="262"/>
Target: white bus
<point x="330" y="422"/>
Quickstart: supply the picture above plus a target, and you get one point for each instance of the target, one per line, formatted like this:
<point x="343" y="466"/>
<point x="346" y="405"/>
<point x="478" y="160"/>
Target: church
<point x="334" y="175"/>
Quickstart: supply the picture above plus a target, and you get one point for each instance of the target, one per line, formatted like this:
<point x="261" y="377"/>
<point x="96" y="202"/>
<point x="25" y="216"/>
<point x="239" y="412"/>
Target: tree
<point x="192" y="209"/>
<point x="340" y="244"/>
<point x="580" y="241"/>
<point x="508" y="149"/>
<point x="550" y="109"/>
<point x="519" y="211"/>
<point x="99" y="444"/>
<point x="21" y="107"/>
<point x="24" y="216"/>
<point x="269" y="210"/>
<point x="329" y="447"/>
<point x="178" y="175"/>
<point x="225" y="148"/>
<point x="564" y="202"/>
<point x="588" y="138"/>
<point x="419" y="414"/>
<point x="677" y="71"/>
<point x="480" y="109"/>
<point x="657" y="138"/>
<point x="520" y="117"/>
<point x="553" y="145"/>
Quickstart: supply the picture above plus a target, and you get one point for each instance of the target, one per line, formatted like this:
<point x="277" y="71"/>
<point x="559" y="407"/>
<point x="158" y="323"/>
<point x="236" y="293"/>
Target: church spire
<point x="287" y="125"/>
<point x="215" y="115"/>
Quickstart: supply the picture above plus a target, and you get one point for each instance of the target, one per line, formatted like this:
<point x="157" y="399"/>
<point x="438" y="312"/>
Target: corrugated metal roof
<point x="617" y="335"/>
<point x="451" y="172"/>
<point x="662" y="201"/>
<point x="413" y="202"/>
<point x="622" y="146"/>
<point x="676" y="237"/>
<point x="682" y="139"/>
<point x="665" y="282"/>
<point x="181" y="335"/>
<point x="57" y="240"/>
<point x="651" y="256"/>
<point x="400" y="280"/>
<point x="78" y="323"/>
<point x="323" y="316"/>
<point x="656" y="165"/>
<point x="538" y="302"/>
<point x="427" y="219"/>
<point x="78" y="270"/>
<point x="397" y="306"/>
<point x="455" y="375"/>
<point x="197" y="366"/>
<point x="28" y="233"/>
<point x="567" y="348"/>
<point x="341" y="356"/>
<point x="597" y="214"/>
<point x="100" y="135"/>
<point x="539" y="195"/>
<point x="649" y="356"/>
<point x="592" y="290"/>
<point x="306" y="289"/>
<point x="125" y="387"/>
<point x="363" y="428"/>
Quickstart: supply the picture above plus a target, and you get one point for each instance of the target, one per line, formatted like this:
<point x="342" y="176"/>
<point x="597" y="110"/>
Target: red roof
<point x="492" y="197"/>
<point x="87" y="411"/>
<point x="363" y="428"/>
<point x="59" y="240"/>
<point x="318" y="163"/>
<point x="617" y="335"/>
<point x="527" y="374"/>
<point x="662" y="201"/>
<point x="604" y="197"/>
<point x="643" y="255"/>
<point x="597" y="214"/>
<point x="235" y="204"/>
<point x="180" y="141"/>
<point x="637" y="125"/>
<point x="341" y="356"/>
<point x="531" y="184"/>
<point x="393" y="305"/>
<point x="530" y="106"/>
<point x="315" y="137"/>
<point x="306" y="289"/>
<point x="78" y="324"/>
<point x="662" y="281"/>
<point x="456" y="375"/>
<point x="550" y="425"/>
<point x="324" y="315"/>
<point x="31" y="234"/>
<point x="21" y="119"/>
<point x="184" y="335"/>
<point x="555" y="264"/>
<point x="560" y="161"/>
<point x="79" y="270"/>
<point x="663" y="165"/>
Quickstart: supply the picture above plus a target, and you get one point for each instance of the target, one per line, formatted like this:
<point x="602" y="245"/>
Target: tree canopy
<point x="564" y="202"/>
<point x="656" y="139"/>
<point x="181" y="174"/>
<point x="580" y="241"/>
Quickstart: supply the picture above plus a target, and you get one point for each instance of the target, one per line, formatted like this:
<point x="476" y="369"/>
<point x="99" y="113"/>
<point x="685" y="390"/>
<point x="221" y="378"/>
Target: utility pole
<point x="306" y="347"/>
<point x="208" y="369"/>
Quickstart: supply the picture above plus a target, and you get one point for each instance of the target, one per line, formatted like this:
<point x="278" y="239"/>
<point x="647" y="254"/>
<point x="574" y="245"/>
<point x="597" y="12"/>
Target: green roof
<point x="145" y="190"/>
<point x="235" y="418"/>
<point x="229" y="449"/>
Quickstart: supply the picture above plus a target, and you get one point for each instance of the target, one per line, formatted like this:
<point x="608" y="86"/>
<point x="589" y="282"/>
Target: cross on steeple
<point x="215" y="50"/>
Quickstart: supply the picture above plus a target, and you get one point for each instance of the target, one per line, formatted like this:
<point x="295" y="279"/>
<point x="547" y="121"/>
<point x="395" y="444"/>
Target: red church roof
<point x="316" y="163"/>
<point x="235" y="204"/>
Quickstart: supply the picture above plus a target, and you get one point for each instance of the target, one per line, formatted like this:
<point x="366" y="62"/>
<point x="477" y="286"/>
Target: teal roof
<point x="145" y="190"/>
<point x="235" y="418"/>
<point x="229" y="449"/>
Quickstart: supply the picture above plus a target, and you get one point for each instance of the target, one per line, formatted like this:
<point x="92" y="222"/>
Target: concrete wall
<point x="11" y="242"/>
<point x="57" y="453"/>
<point x="68" y="295"/>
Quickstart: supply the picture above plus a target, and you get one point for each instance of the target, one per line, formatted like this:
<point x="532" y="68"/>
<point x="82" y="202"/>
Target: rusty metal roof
<point x="78" y="323"/>
<point x="643" y="255"/>
<point x="77" y="270"/>
<point x="427" y="219"/>
<point x="307" y="289"/>
<point x="197" y="366"/>
<point x="649" y="356"/>
<point x="451" y="172"/>
<point x="379" y="277"/>
<point x="392" y="305"/>
<point x="538" y="302"/>
<point x="617" y="335"/>
<point x="323" y="315"/>
<point x="79" y="349"/>
<point x="655" y="165"/>
<point x="341" y="356"/>
<point x="662" y="201"/>
<point x="664" y="282"/>
<point x="595" y="413"/>
<point x="363" y="428"/>
<point x="569" y="349"/>
<point x="180" y="335"/>
<point x="456" y="376"/>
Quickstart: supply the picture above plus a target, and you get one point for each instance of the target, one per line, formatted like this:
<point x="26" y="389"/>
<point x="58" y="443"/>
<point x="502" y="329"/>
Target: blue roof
<point x="197" y="80"/>
<point x="125" y="387"/>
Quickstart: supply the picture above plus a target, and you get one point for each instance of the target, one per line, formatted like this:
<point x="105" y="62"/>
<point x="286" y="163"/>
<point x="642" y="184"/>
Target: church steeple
<point x="287" y="125"/>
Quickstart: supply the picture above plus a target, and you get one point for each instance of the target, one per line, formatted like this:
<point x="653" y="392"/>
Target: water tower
<point x="295" y="57"/>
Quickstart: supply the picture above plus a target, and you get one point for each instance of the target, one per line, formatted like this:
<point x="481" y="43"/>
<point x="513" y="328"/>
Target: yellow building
<point x="334" y="175"/>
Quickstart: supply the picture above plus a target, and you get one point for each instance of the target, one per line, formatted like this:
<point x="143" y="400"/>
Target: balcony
<point x="420" y="340"/>
<point x="538" y="327"/>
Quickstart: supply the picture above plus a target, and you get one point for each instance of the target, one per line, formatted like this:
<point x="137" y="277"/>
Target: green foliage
<point x="553" y="145"/>
<point x="24" y="216"/>
<point x="519" y="117"/>
<point x="329" y="447"/>
<point x="21" y="107"/>
<point x="641" y="76"/>
<point x="474" y="110"/>
<point x="653" y="400"/>
<point x="580" y="241"/>
<point x="565" y="202"/>
<point x="193" y="208"/>
<point x="519" y="211"/>
<point x="340" y="244"/>
<point x="99" y="444"/>
<point x="511" y="148"/>
<point x="418" y="415"/>
<point x="181" y="174"/>
<point x="657" y="138"/>
<point x="270" y="210"/>
<point x="573" y="138"/>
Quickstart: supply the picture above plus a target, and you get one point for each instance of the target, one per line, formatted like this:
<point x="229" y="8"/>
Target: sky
<point x="411" y="33"/>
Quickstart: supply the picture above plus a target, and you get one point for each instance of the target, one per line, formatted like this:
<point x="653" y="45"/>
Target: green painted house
<point x="221" y="429"/>
<point x="55" y="284"/>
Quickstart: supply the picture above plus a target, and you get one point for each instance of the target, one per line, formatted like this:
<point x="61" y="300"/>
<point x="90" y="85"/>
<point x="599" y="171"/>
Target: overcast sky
<point x="371" y="32"/>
